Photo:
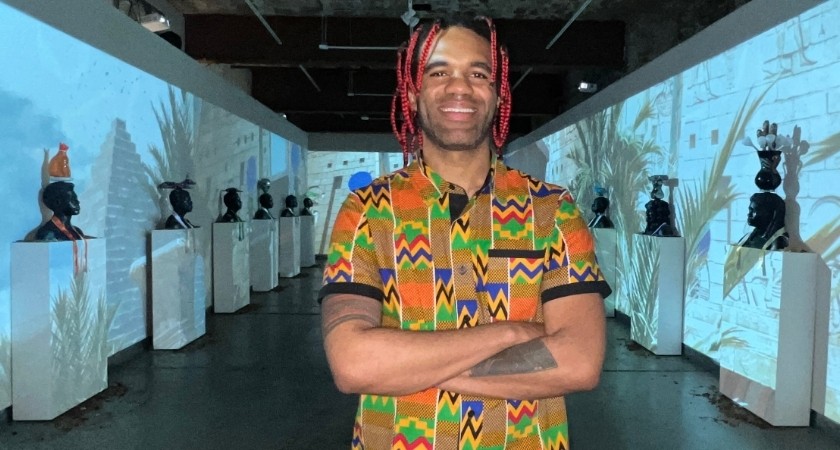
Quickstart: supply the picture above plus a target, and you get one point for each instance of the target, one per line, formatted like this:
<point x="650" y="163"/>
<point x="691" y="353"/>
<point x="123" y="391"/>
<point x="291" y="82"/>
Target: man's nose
<point x="458" y="84"/>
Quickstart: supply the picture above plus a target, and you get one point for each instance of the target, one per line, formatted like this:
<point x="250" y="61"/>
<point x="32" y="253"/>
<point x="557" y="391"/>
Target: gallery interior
<point x="204" y="147"/>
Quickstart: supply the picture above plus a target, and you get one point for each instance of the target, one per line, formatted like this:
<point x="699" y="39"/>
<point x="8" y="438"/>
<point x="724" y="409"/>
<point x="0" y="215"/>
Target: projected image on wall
<point x="691" y="127"/>
<point x="127" y="132"/>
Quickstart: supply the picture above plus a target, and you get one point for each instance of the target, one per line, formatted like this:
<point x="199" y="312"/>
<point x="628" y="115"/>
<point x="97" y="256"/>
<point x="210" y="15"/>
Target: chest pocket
<point x="511" y="286"/>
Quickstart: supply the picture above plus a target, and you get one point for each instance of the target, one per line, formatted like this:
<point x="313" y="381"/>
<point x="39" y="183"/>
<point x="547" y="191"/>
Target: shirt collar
<point x="435" y="185"/>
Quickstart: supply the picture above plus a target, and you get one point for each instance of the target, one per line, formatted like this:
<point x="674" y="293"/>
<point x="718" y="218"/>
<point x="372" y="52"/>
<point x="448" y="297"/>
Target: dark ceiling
<point x="337" y="90"/>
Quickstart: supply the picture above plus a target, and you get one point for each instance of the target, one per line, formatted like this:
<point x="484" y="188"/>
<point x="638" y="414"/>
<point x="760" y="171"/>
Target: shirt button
<point x="462" y="269"/>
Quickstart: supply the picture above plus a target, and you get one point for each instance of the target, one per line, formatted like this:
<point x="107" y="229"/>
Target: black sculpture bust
<point x="233" y="204"/>
<point x="600" y="206"/>
<point x="181" y="204"/>
<point x="658" y="211"/>
<point x="307" y="203"/>
<point x="767" y="216"/>
<point x="266" y="200"/>
<point x="658" y="218"/>
<point x="62" y="200"/>
<point x="291" y="204"/>
<point x="266" y="203"/>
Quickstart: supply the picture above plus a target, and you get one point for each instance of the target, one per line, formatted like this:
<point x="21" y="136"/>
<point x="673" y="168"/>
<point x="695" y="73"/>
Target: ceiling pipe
<point x="569" y="23"/>
<point x="263" y="21"/>
<point x="311" y="80"/>
<point x="555" y="38"/>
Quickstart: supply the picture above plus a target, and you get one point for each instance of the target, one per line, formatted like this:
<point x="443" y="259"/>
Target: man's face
<point x="756" y="217"/>
<point x="457" y="100"/>
<point x="70" y="203"/>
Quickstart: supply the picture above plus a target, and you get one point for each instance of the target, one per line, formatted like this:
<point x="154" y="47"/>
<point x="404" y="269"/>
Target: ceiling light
<point x="587" y="88"/>
<point x="155" y="22"/>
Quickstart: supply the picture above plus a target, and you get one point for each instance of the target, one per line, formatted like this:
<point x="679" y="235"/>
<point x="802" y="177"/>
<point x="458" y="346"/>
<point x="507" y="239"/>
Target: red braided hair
<point x="410" y="79"/>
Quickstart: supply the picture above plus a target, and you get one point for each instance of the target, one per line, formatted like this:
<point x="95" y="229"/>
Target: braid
<point x="502" y="121"/>
<point x="403" y="119"/>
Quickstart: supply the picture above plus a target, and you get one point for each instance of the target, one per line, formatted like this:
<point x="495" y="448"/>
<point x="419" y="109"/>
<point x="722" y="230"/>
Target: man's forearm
<point x="529" y="357"/>
<point x="529" y="371"/>
<point x="366" y="358"/>
<point x="400" y="362"/>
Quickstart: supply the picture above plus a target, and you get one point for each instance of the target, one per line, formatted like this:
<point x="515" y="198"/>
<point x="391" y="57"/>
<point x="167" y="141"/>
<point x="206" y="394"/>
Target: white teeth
<point x="459" y="110"/>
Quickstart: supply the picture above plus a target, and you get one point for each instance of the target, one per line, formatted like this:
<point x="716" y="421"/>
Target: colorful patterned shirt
<point x="519" y="242"/>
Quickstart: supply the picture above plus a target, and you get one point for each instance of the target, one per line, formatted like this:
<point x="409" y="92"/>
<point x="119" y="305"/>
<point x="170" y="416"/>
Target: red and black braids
<point x="410" y="79"/>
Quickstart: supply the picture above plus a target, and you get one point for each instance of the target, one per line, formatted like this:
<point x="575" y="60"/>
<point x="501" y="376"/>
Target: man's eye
<point x="437" y="74"/>
<point x="483" y="76"/>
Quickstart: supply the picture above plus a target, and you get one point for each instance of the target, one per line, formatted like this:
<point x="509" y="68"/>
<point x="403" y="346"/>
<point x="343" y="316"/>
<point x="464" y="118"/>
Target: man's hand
<point x="568" y="359"/>
<point x="366" y="358"/>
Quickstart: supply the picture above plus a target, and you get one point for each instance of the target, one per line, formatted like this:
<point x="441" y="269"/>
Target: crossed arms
<point x="505" y="359"/>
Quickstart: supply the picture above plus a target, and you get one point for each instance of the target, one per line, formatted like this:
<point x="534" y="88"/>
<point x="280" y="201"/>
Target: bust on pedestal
<point x="307" y="204"/>
<point x="600" y="206"/>
<point x="266" y="200"/>
<point x="767" y="210"/>
<point x="61" y="199"/>
<point x="658" y="211"/>
<point x="181" y="203"/>
<point x="233" y="204"/>
<point x="58" y="308"/>
<point x="291" y="204"/>
<point x="178" y="280"/>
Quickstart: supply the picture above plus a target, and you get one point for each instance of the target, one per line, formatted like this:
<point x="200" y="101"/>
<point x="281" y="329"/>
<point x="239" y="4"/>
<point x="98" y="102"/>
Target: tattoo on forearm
<point x="337" y="310"/>
<point x="529" y="357"/>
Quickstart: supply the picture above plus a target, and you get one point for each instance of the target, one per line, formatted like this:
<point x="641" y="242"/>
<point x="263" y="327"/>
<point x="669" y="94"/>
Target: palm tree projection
<point x="80" y="335"/>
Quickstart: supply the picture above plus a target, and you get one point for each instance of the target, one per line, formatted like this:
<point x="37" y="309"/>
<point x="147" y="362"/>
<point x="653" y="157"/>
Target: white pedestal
<point x="307" y="241"/>
<point x="231" y="267"/>
<point x="178" y="292"/>
<point x="264" y="243"/>
<point x="60" y="325"/>
<point x="289" y="250"/>
<point x="766" y="353"/>
<point x="606" y="250"/>
<point x="657" y="292"/>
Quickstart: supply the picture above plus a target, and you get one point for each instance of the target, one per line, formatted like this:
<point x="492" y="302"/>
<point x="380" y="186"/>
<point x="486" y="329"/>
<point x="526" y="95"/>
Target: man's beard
<point x="440" y="141"/>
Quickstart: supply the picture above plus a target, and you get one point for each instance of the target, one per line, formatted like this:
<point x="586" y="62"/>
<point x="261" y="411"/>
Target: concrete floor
<point x="259" y="380"/>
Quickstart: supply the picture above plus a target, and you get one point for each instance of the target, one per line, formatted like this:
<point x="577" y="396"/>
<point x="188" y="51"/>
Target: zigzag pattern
<point x="510" y="220"/>
<point x="415" y="254"/>
<point x="541" y="189"/>
<point x="517" y="409"/>
<point x="357" y="443"/>
<point x="381" y="403"/>
<point x="338" y="272"/>
<point x="460" y="234"/>
<point x="585" y="274"/>
<point x="472" y="422"/>
<point x="467" y="313"/>
<point x="375" y="195"/>
<point x="513" y="209"/>
<point x="401" y="443"/>
<point x="497" y="300"/>
<point x="449" y="404"/>
<point x="525" y="270"/>
<point x="557" y="256"/>
<point x="444" y="295"/>
<point x="559" y="442"/>
<point x="481" y="262"/>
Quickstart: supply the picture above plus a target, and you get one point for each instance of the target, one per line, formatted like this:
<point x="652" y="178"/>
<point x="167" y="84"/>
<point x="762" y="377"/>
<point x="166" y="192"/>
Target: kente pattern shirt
<point x="519" y="242"/>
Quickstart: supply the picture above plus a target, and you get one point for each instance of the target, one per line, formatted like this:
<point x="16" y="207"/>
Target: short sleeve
<point x="570" y="266"/>
<point x="351" y="259"/>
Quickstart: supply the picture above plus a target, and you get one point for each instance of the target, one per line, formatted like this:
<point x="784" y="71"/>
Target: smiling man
<point x="461" y="298"/>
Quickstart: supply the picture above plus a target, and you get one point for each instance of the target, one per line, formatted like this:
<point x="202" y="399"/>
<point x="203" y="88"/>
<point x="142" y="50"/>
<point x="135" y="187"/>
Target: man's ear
<point x="412" y="100"/>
